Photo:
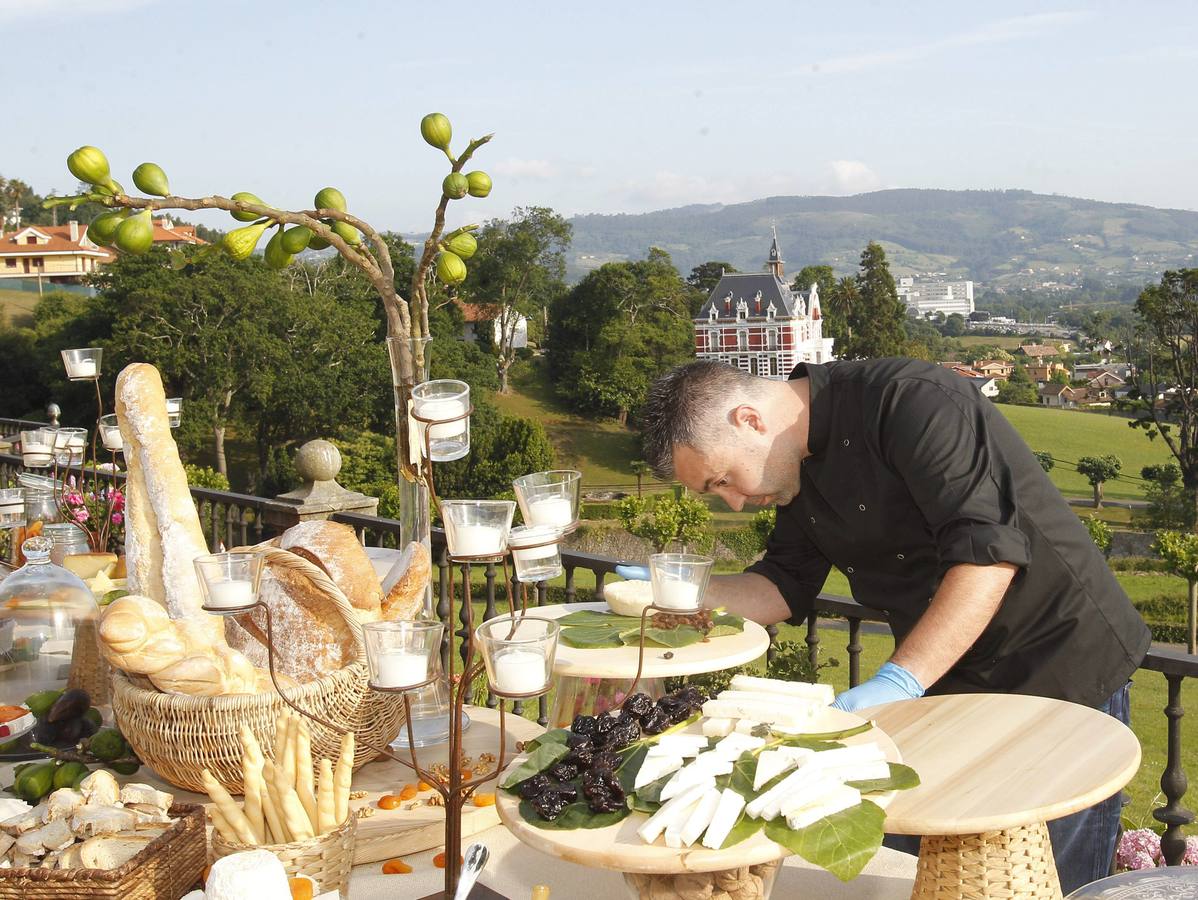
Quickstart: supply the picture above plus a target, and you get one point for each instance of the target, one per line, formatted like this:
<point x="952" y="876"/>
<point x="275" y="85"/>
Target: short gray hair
<point x="680" y="405"/>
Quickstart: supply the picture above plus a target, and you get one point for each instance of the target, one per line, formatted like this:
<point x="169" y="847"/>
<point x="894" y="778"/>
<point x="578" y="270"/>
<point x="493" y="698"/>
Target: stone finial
<point x="317" y="461"/>
<point x="53" y="411"/>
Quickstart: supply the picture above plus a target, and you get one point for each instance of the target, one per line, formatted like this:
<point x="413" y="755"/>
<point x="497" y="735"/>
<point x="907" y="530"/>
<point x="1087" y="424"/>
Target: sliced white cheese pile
<point x="804" y="779"/>
<point x="684" y="780"/>
<point x="806" y="812"/>
<point x="675" y="810"/>
<point x="733" y="745"/>
<point x="718" y="727"/>
<point x="680" y="744"/>
<point x="822" y="693"/>
<point x="790" y="712"/>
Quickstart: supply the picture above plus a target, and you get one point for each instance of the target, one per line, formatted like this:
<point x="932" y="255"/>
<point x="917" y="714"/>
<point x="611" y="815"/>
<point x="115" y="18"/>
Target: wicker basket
<point x="89" y="670"/>
<point x="327" y="858"/>
<point x="165" y="870"/>
<point x="179" y="735"/>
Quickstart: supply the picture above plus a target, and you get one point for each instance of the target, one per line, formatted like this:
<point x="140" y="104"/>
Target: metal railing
<point x="232" y="519"/>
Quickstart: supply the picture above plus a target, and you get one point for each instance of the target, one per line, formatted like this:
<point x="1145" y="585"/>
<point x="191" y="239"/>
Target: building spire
<point x="775" y="262"/>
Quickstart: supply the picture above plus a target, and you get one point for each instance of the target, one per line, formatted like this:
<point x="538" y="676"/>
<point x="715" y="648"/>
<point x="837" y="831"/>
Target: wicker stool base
<point x="1013" y="864"/>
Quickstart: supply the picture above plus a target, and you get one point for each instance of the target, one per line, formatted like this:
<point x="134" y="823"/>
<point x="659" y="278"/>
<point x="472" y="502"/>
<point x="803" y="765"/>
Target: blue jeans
<point x="1083" y="843"/>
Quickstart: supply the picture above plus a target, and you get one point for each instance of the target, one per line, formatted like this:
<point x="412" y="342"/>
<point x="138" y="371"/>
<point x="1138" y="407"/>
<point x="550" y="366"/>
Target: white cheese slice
<point x="812" y="794"/>
<point x="824" y="693"/>
<point x="793" y="715"/>
<point x="773" y="763"/>
<point x="713" y="763"/>
<point x="672" y="811"/>
<point x="866" y="771"/>
<point x="732" y="746"/>
<point x="745" y="726"/>
<point x="766" y="806"/>
<point x="845" y="799"/>
<point x="655" y="767"/>
<point x="679" y="745"/>
<point x="853" y="754"/>
<point x="700" y="818"/>
<point x="718" y="727"/>
<point x="724" y="820"/>
<point x="686" y="779"/>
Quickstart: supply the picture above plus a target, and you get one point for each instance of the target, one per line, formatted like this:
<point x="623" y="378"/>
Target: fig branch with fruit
<point x="129" y="228"/>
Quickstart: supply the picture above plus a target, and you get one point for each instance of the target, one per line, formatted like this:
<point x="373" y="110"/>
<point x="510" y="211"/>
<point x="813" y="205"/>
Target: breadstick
<point x="299" y="826"/>
<point x="305" y="784"/>
<point x="287" y="763"/>
<point x="280" y="737"/>
<point x="272" y="808"/>
<point x="219" y="823"/>
<point x="232" y="813"/>
<point x="251" y="778"/>
<point x="343" y="777"/>
<point x="326" y="808"/>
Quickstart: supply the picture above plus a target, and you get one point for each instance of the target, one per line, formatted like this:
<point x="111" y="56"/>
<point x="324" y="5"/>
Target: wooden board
<point x="660" y="662"/>
<point x="991" y="761"/>
<point x="619" y="847"/>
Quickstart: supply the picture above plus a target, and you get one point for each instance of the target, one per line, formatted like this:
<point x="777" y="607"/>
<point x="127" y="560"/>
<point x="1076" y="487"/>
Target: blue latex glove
<point x="633" y="573"/>
<point x="892" y="683"/>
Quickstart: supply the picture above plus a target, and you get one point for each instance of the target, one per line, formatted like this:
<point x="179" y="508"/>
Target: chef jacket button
<point x="849" y="570"/>
<point x="813" y="520"/>
<point x="900" y="556"/>
<point x="846" y="442"/>
<point x="861" y="507"/>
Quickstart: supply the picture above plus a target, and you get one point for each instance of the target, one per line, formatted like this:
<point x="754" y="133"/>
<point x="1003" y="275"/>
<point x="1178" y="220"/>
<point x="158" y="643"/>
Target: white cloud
<point x="16" y="10"/>
<point x="852" y="176"/>
<point x="533" y="169"/>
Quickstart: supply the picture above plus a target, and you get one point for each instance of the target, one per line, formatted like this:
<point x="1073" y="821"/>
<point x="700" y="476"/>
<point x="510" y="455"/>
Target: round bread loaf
<point x="336" y="549"/>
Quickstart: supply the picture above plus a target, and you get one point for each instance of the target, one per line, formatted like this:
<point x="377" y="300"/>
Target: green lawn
<point x="16" y="306"/>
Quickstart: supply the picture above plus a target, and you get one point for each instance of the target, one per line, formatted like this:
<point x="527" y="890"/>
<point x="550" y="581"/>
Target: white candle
<point x="112" y="439"/>
<point x="81" y="368"/>
<point x="443" y="409"/>
<point x="520" y="671"/>
<point x="230" y="593"/>
<point x="677" y="594"/>
<point x="36" y="454"/>
<point x="474" y="540"/>
<point x="400" y="668"/>
<point x="556" y="511"/>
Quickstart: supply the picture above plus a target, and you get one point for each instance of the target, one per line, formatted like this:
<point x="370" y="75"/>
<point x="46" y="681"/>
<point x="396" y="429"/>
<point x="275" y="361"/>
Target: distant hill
<point x="1005" y="238"/>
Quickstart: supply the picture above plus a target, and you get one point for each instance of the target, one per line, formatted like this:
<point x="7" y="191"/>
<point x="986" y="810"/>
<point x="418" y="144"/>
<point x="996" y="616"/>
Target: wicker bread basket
<point x="179" y="735"/>
<point x="165" y="870"/>
<point x="327" y="858"/>
<point x="89" y="669"/>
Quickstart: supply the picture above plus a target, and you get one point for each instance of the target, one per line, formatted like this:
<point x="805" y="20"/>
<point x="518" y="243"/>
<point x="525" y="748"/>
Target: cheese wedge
<point x="713" y="763"/>
<point x="845" y="798"/>
<point x="655" y="767"/>
<point x="718" y="727"/>
<point x="823" y="693"/>
<point x="724" y="820"/>
<point x="686" y="779"/>
<point x="699" y="819"/>
<point x="672" y="811"/>
<point x="773" y="763"/>
<point x="767" y="805"/>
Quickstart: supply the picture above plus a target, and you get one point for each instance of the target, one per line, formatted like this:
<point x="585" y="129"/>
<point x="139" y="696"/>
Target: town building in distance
<point x="945" y="297"/>
<point x="755" y="322"/>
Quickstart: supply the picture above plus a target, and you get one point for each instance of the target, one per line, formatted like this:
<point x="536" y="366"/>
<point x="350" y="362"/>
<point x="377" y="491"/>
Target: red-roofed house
<point x="167" y="231"/>
<point x="478" y="315"/>
<point x="57" y="253"/>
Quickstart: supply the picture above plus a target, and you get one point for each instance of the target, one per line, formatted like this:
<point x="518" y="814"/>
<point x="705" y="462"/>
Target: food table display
<point x="995" y="769"/>
<point x="593" y="676"/>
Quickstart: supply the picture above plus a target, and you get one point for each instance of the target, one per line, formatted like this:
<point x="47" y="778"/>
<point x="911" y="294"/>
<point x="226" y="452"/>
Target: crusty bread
<point x="137" y="635"/>
<point x="218" y="671"/>
<point x="405" y="600"/>
<point x="113" y="851"/>
<point x="335" y="549"/>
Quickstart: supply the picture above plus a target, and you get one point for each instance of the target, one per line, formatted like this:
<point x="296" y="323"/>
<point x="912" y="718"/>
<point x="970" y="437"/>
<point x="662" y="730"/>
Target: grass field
<point x="16" y="305"/>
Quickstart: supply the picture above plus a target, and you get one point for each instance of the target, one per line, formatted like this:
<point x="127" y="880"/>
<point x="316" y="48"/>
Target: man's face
<point x="746" y="465"/>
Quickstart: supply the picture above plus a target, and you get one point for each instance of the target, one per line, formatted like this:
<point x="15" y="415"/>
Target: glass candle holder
<point x="477" y="528"/>
<point x="229" y="581"/>
<point x="403" y="655"/>
<point x="448" y="402"/>
<point x="679" y="580"/>
<point x="37" y="448"/>
<point x="110" y="433"/>
<point x="542" y="560"/>
<point x="518" y="652"/>
<point x="549" y="498"/>
<point x="12" y="506"/>
<point x="174" y="411"/>
<point x="69" y="444"/>
<point x="82" y="364"/>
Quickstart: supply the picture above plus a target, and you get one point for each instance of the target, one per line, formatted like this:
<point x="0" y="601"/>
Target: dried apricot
<point x="467" y="774"/>
<point x="204" y="874"/>
<point x="484" y="799"/>
<point x="439" y="860"/>
<point x="424" y="786"/>
<point x="408" y="792"/>
<point x="390" y="801"/>
<point x="301" y="888"/>
<point x="396" y="867"/>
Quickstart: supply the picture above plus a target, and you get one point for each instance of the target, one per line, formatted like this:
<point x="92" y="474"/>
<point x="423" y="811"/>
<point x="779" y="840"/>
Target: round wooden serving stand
<point x="619" y="847"/>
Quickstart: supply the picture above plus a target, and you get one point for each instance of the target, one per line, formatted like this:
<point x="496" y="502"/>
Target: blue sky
<point x="609" y="106"/>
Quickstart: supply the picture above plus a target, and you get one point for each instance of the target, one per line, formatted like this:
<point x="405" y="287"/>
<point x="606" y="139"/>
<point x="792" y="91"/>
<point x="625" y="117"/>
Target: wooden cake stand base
<point x="478" y="892"/>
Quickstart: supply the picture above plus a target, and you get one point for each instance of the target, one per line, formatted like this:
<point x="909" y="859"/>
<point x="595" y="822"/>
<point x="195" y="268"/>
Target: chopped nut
<point x="365" y="812"/>
<point x="412" y="804"/>
<point x="436" y="800"/>
<point x="486" y="758"/>
<point x="357" y="795"/>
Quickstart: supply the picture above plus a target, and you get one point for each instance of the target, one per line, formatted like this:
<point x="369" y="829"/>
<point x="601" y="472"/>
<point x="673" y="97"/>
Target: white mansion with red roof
<point x="755" y="322"/>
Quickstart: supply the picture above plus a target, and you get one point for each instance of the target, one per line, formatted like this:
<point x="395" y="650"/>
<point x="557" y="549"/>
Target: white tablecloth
<point x="514" y="868"/>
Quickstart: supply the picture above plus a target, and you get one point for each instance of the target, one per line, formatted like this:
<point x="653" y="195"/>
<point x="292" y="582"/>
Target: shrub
<point x="1100" y="533"/>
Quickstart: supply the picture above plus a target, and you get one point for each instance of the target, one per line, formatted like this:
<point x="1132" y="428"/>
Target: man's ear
<point x="746" y="416"/>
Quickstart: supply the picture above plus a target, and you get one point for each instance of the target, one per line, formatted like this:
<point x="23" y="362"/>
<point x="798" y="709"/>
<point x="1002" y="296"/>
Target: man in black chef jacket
<point x="909" y="481"/>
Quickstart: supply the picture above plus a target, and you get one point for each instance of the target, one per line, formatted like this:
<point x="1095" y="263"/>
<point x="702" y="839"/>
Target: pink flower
<point x="1138" y="849"/>
<point x="118" y="501"/>
<point x="117" y="518"/>
<point x="1191" y="855"/>
<point x="72" y="498"/>
<point x="80" y="514"/>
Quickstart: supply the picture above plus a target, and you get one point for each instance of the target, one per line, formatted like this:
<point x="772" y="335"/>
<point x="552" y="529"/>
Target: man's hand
<point x="633" y="573"/>
<point x="892" y="683"/>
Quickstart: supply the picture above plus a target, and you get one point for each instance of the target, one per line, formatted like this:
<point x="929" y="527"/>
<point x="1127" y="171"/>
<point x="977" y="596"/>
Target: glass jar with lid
<point x="12" y="522"/>
<point x="41" y="607"/>
<point x="41" y="508"/>
<point x="67" y="540"/>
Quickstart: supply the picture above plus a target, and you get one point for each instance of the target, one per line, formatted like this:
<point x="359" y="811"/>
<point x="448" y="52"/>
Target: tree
<point x="1098" y="470"/>
<point x="1059" y="376"/>
<point x="821" y="276"/>
<point x="1016" y="393"/>
<point x="877" y="322"/>
<point x="1180" y="553"/>
<point x="1167" y="506"/>
<point x="1165" y="375"/>
<point x="640" y="469"/>
<point x="520" y="266"/>
<point x="1044" y="458"/>
<point x="705" y="276"/>
<point x="665" y="520"/>
<point x="954" y="325"/>
<point x="1019" y="375"/>
<point x="839" y="307"/>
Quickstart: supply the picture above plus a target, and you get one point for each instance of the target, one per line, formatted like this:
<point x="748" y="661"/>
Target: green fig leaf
<point x="591" y="638"/>
<point x="557" y="736"/>
<point x="576" y="815"/>
<point x="537" y="761"/>
<point x="842" y="843"/>
<point x="746" y="826"/>
<point x="902" y="778"/>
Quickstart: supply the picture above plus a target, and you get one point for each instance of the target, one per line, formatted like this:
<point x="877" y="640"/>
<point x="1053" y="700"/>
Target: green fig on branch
<point x="330" y="198"/>
<point x="275" y="255"/>
<point x="102" y="229"/>
<point x="297" y="239"/>
<point x="136" y="234"/>
<point x="463" y="245"/>
<point x="240" y="242"/>
<point x="347" y="233"/>
<point x="455" y="186"/>
<point x="436" y="131"/>
<point x="89" y="164"/>
<point x="318" y="243"/>
<point x="246" y="197"/>
<point x="110" y="189"/>
<point x="479" y="183"/>
<point x="150" y="179"/>
<point x="450" y="268"/>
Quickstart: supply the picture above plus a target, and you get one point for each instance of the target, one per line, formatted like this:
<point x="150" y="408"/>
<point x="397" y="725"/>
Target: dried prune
<point x="605" y="762"/>
<point x="692" y="697"/>
<point x="676" y="709"/>
<point x="625" y="735"/>
<point x="535" y="786"/>
<point x="564" y="771"/>
<point x="584" y="725"/>
<point x="655" y="721"/>
<point x="604" y="724"/>
<point x="625" y="717"/>
<point x="574" y="741"/>
<point x="603" y="791"/>
<point x="638" y="704"/>
<point x="581" y="756"/>
<point x="568" y="791"/>
<point x="549" y="805"/>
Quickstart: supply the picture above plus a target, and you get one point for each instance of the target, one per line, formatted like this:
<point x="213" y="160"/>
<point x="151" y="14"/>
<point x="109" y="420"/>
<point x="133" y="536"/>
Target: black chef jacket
<point x="913" y="471"/>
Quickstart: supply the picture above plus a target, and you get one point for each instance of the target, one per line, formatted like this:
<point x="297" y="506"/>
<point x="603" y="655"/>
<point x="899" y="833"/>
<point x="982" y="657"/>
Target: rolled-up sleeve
<point x="941" y="443"/>
<point x="794" y="564"/>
